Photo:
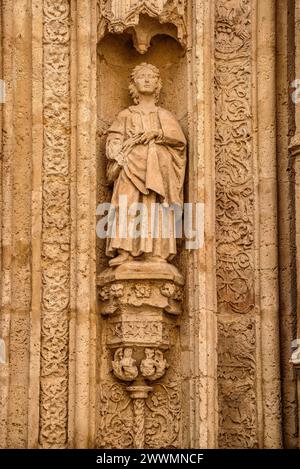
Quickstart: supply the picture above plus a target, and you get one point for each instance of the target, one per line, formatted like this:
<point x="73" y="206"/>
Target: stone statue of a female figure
<point x="146" y="151"/>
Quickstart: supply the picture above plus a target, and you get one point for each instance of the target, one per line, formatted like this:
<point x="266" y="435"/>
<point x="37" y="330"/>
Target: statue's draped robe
<point x="153" y="173"/>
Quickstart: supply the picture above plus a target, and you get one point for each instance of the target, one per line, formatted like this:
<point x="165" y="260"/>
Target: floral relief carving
<point x="163" y="413"/>
<point x="116" y="417"/>
<point x="237" y="375"/>
<point x="56" y="230"/>
<point x="142" y="291"/>
<point x="171" y="290"/>
<point x="168" y="290"/>
<point x="233" y="27"/>
<point x="162" y="410"/>
<point x="114" y="296"/>
<point x="235" y="224"/>
<point x="117" y="290"/>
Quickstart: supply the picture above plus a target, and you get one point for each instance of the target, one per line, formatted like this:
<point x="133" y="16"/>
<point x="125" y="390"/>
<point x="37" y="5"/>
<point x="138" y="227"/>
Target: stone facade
<point x="199" y="352"/>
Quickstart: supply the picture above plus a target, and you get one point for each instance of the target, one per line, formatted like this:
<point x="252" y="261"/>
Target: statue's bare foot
<point x="120" y="259"/>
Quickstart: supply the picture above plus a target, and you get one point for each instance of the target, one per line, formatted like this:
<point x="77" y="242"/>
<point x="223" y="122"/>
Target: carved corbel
<point x="141" y="307"/>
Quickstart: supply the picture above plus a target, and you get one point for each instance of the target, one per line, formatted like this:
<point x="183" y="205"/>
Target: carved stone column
<point x="138" y="395"/>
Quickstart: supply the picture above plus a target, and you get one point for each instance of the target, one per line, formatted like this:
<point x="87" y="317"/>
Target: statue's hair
<point x="132" y="87"/>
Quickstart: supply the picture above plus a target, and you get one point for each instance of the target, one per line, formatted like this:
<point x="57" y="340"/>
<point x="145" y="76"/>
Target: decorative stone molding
<point x="2" y="352"/>
<point x="117" y="295"/>
<point x="130" y="328"/>
<point x="56" y="228"/>
<point x="119" y="289"/>
<point x="117" y="17"/>
<point x="294" y="149"/>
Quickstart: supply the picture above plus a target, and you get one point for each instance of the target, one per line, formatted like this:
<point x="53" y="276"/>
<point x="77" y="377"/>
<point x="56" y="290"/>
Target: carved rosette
<point x="56" y="230"/>
<point x="235" y="225"/>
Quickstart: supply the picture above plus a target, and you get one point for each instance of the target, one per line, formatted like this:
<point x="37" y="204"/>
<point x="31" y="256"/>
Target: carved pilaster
<point x="56" y="230"/>
<point x="246" y="212"/>
<point x="235" y="225"/>
<point x="138" y="395"/>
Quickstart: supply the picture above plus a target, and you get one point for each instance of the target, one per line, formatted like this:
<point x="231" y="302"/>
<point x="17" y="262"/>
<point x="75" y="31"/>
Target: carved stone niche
<point x="139" y="301"/>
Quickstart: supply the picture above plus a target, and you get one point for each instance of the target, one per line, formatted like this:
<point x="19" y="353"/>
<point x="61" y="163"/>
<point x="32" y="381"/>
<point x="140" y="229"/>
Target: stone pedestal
<point x="141" y="302"/>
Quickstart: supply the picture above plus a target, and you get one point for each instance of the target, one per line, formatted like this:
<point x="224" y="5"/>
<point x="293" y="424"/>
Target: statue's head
<point x="149" y="353"/>
<point x="145" y="79"/>
<point x="127" y="352"/>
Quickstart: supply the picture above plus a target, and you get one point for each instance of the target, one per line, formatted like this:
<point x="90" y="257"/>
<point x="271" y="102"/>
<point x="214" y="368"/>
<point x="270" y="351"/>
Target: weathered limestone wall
<point x="294" y="153"/>
<point x="226" y="69"/>
<point x="16" y="220"/>
<point x="285" y="71"/>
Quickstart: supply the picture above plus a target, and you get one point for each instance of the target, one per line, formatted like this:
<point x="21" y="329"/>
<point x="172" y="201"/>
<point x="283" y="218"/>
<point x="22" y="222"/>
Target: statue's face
<point x="149" y="353"/>
<point x="146" y="81"/>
